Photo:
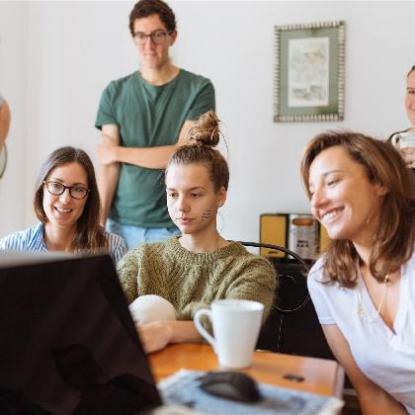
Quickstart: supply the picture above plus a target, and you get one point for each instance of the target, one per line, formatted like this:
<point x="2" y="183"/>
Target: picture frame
<point x="309" y="72"/>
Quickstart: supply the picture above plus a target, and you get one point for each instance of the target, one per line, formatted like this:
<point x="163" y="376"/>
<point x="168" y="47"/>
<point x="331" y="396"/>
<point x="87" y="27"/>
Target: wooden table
<point x="324" y="377"/>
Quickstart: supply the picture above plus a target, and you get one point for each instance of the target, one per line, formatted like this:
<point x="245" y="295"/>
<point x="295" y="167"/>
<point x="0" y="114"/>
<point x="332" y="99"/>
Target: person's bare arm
<point x="158" y="334"/>
<point x="4" y="122"/>
<point x="107" y="175"/>
<point x="373" y="399"/>
<point x="149" y="157"/>
<point x="408" y="154"/>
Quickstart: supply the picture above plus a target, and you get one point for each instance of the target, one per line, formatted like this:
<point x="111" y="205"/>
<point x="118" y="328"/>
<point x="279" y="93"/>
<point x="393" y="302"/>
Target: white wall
<point x="69" y="51"/>
<point x="13" y="75"/>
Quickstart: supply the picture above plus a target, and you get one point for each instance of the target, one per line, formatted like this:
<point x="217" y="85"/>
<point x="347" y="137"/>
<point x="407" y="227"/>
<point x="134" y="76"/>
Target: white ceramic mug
<point x="404" y="140"/>
<point x="236" y="325"/>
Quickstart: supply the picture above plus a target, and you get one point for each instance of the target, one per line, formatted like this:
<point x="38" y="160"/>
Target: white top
<point x="387" y="358"/>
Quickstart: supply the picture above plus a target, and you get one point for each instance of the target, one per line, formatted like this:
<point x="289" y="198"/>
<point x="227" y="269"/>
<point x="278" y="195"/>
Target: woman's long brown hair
<point x="394" y="240"/>
<point x="89" y="235"/>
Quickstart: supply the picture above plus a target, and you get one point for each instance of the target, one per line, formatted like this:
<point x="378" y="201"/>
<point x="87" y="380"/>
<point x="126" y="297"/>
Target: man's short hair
<point x="145" y="8"/>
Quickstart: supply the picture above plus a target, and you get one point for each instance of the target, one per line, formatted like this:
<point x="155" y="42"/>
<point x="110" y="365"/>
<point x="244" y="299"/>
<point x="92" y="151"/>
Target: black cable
<point x="304" y="271"/>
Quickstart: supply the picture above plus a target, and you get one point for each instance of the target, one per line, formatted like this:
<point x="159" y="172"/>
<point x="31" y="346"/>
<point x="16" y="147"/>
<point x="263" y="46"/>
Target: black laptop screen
<point x="67" y="342"/>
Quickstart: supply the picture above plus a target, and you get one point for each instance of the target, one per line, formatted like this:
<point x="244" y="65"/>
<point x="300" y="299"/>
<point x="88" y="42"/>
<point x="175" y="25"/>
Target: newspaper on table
<point x="182" y="388"/>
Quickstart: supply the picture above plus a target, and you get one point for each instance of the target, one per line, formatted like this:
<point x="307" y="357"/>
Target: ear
<point x="221" y="197"/>
<point x="381" y="190"/>
<point x="173" y="37"/>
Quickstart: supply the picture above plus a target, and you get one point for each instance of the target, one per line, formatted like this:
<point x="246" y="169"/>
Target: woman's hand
<point x="155" y="335"/>
<point x="158" y="334"/>
<point x="408" y="154"/>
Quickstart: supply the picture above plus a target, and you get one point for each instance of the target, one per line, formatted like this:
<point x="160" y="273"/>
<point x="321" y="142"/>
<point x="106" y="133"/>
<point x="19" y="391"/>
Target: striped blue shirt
<point x="32" y="239"/>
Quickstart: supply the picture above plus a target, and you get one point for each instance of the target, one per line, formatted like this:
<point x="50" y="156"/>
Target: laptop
<point x="68" y="344"/>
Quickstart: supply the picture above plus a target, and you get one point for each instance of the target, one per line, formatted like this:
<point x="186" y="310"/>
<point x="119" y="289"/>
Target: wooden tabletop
<point x="321" y="376"/>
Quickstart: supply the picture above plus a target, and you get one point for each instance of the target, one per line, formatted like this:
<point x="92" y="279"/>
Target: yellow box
<point x="273" y="230"/>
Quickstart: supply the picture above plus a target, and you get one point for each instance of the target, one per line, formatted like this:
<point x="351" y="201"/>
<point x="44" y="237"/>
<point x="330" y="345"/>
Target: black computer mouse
<point x="236" y="386"/>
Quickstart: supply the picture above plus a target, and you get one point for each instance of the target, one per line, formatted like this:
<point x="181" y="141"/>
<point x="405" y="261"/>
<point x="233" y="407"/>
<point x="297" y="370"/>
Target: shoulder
<point x="409" y="266"/>
<point x="316" y="272"/>
<point x="194" y="79"/>
<point x="117" y="85"/>
<point x="145" y="252"/>
<point x="239" y="254"/>
<point x="30" y="238"/>
<point x="116" y="246"/>
<point x="317" y="279"/>
<point x="397" y="133"/>
<point x="114" y="240"/>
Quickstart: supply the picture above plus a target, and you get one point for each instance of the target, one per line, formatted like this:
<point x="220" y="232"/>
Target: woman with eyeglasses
<point x="405" y="140"/>
<point x="67" y="204"/>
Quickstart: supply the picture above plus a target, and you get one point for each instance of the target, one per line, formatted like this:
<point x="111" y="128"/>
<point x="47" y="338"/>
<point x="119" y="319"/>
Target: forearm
<point x="379" y="403"/>
<point x="372" y="398"/>
<point x="149" y="157"/>
<point x="107" y="179"/>
<point x="158" y="334"/>
<point x="183" y="332"/>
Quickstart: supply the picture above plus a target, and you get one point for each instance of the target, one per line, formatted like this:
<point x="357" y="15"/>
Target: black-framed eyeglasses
<point x="157" y="37"/>
<point x="56" y="188"/>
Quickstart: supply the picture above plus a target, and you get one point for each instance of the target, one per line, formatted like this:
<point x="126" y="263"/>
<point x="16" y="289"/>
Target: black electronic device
<point x="236" y="386"/>
<point x="68" y="344"/>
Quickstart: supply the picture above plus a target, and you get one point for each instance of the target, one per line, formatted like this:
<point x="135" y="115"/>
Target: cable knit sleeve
<point x="128" y="268"/>
<point x="256" y="280"/>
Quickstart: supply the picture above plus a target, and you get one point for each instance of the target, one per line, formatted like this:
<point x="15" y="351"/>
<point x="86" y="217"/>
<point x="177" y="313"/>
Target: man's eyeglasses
<point x="55" y="188"/>
<point x="157" y="37"/>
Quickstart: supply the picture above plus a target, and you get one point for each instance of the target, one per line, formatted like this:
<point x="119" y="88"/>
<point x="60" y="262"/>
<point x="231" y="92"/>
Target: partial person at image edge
<point x="408" y="153"/>
<point x="363" y="287"/>
<point x="4" y="121"/>
<point x="67" y="204"/>
<point x="144" y="117"/>
<point x="200" y="266"/>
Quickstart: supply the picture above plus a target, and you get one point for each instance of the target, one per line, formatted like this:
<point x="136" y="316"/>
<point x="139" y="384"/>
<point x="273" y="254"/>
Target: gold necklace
<point x="361" y="310"/>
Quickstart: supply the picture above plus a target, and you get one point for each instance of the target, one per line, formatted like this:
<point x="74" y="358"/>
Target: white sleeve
<point x="318" y="293"/>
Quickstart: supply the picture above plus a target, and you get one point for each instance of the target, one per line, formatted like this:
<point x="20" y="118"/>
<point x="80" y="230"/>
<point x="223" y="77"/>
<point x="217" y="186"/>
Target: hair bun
<point x="206" y="130"/>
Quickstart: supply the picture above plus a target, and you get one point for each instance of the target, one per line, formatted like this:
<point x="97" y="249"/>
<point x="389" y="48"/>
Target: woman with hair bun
<point x="200" y="266"/>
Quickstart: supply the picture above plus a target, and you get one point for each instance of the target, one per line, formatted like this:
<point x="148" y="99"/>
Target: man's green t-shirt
<point x="149" y="116"/>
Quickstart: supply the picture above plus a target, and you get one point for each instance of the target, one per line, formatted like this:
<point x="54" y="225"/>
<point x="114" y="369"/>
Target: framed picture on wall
<point x="309" y="72"/>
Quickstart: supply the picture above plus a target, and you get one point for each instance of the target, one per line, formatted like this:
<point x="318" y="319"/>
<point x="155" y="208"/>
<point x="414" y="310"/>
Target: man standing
<point x="144" y="117"/>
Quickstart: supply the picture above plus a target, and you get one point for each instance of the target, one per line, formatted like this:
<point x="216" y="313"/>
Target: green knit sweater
<point x="193" y="280"/>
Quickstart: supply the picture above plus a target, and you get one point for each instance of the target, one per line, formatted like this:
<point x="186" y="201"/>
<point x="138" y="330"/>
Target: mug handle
<point x="395" y="140"/>
<point x="203" y="332"/>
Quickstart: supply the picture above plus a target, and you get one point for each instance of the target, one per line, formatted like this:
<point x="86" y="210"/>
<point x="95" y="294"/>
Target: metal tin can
<point x="303" y="236"/>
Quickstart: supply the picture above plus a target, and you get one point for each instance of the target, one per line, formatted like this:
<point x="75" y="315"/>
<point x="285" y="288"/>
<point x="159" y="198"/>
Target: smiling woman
<point x="363" y="287"/>
<point x="200" y="266"/>
<point x="405" y="140"/>
<point x="67" y="204"/>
